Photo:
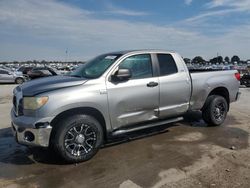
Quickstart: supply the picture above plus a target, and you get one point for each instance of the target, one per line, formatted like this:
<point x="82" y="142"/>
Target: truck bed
<point x="204" y="81"/>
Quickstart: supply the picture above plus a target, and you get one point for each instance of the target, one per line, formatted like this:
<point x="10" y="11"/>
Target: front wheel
<point x="215" y="110"/>
<point x="78" y="138"/>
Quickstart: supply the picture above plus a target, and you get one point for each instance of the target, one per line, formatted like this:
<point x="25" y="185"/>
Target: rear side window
<point x="167" y="64"/>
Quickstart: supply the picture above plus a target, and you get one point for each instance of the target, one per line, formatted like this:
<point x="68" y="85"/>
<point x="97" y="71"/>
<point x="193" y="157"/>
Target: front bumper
<point x="27" y="131"/>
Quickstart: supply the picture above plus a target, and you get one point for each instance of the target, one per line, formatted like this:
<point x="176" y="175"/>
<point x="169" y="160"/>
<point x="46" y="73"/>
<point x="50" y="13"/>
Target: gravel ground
<point x="184" y="154"/>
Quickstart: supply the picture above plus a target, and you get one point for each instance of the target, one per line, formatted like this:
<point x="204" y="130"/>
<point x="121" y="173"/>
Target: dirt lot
<point x="185" y="154"/>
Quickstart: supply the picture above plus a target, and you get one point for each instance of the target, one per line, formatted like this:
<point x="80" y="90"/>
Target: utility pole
<point x="66" y="57"/>
<point x="217" y="58"/>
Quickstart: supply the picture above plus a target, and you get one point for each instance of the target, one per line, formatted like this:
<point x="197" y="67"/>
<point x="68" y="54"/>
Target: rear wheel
<point x="215" y="110"/>
<point x="19" y="80"/>
<point x="78" y="138"/>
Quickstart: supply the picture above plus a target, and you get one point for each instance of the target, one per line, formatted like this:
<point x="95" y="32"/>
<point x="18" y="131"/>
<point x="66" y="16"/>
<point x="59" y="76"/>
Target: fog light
<point x="29" y="136"/>
<point x="41" y="125"/>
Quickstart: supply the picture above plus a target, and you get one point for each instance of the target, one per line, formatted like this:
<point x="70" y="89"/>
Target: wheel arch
<point x="80" y="110"/>
<point x="221" y="91"/>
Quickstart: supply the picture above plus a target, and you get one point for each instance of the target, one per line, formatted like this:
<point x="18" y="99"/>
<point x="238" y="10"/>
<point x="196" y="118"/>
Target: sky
<point x="81" y="29"/>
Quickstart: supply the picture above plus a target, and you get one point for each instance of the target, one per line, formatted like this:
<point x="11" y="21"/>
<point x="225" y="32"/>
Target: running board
<point x="150" y="125"/>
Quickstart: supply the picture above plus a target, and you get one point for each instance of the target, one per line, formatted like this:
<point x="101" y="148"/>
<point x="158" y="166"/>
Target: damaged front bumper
<point x="30" y="130"/>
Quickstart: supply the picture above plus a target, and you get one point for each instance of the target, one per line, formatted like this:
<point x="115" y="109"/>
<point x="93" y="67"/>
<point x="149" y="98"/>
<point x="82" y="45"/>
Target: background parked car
<point x="8" y="76"/>
<point x="39" y="72"/>
<point x="242" y="72"/>
<point x="24" y="69"/>
<point x="245" y="80"/>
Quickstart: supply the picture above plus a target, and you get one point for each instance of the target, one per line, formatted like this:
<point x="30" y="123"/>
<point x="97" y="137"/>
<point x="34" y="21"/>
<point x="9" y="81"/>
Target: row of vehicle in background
<point x="20" y="74"/>
<point x="38" y="72"/>
<point x="218" y="67"/>
<point x="9" y="76"/>
<point x="15" y="74"/>
<point x="24" y="73"/>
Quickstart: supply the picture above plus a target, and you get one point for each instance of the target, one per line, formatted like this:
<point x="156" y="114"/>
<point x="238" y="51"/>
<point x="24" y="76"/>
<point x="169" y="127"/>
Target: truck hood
<point x="42" y="85"/>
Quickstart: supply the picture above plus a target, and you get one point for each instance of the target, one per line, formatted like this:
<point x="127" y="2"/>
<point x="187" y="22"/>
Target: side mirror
<point x="121" y="75"/>
<point x="10" y="73"/>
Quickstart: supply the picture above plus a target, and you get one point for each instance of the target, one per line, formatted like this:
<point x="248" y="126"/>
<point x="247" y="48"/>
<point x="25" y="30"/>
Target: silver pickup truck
<point x="114" y="94"/>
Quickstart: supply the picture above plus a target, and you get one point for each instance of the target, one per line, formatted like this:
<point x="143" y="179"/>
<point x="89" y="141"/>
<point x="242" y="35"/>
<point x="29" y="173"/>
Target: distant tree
<point x="187" y="60"/>
<point x="213" y="60"/>
<point x="220" y="59"/>
<point x="235" y="58"/>
<point x="227" y="59"/>
<point x="216" y="60"/>
<point x="198" y="59"/>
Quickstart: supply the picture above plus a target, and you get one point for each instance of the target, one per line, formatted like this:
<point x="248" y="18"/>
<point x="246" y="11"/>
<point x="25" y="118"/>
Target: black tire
<point x="215" y="110"/>
<point x="19" y="80"/>
<point x="83" y="132"/>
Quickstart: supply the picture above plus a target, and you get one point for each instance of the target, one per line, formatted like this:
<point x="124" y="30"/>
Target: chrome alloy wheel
<point x="80" y="139"/>
<point x="219" y="111"/>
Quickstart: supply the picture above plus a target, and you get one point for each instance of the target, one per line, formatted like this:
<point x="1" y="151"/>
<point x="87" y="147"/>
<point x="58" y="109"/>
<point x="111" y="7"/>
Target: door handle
<point x="152" y="84"/>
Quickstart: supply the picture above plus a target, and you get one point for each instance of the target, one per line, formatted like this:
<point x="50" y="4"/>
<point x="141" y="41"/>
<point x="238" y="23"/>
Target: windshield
<point x="96" y="67"/>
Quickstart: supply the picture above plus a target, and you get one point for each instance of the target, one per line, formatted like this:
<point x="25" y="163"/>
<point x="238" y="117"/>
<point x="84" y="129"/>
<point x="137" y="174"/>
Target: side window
<point x="3" y="72"/>
<point x="139" y="65"/>
<point x="167" y="64"/>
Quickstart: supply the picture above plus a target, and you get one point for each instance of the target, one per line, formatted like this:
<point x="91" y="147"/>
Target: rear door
<point x="137" y="99"/>
<point x="175" y="86"/>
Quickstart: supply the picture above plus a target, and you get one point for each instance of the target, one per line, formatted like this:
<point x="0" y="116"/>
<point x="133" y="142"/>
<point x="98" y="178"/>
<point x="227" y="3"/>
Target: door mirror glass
<point x="122" y="75"/>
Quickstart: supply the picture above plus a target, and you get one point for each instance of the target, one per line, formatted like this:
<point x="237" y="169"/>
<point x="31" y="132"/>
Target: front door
<point x="137" y="99"/>
<point x="5" y="76"/>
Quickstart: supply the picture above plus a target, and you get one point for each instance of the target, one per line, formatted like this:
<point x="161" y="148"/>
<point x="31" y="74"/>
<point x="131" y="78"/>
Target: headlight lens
<point x="33" y="103"/>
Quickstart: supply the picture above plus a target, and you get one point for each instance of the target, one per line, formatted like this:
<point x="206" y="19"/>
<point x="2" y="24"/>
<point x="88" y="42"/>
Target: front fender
<point x="88" y="96"/>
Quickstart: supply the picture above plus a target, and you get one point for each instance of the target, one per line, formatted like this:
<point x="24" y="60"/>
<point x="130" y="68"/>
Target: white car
<point x="8" y="76"/>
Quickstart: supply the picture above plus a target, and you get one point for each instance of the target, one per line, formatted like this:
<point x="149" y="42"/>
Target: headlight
<point x="33" y="103"/>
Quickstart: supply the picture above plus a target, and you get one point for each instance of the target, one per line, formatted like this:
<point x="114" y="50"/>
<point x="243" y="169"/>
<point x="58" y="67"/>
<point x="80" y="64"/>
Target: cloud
<point x="217" y="3"/>
<point x="227" y="7"/>
<point x="51" y="23"/>
<point x="188" y="2"/>
<point x="209" y="14"/>
<point x="45" y="29"/>
<point x="112" y="9"/>
<point x="243" y="5"/>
